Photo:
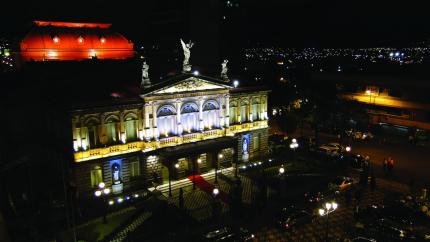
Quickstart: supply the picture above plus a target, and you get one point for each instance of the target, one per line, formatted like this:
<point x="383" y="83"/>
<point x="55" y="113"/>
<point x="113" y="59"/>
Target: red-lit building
<point x="74" y="41"/>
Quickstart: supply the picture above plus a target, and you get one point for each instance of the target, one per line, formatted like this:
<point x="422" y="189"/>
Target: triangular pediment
<point x="190" y="84"/>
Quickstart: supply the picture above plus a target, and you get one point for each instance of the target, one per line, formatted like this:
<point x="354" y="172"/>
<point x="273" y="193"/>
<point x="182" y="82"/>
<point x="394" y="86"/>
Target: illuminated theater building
<point x="58" y="41"/>
<point x="186" y="125"/>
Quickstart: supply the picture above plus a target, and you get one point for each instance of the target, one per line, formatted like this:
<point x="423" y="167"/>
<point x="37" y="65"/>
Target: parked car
<point x="359" y="135"/>
<point x="341" y="183"/>
<point x="394" y="212"/>
<point x="363" y="239"/>
<point x="335" y="146"/>
<point x="291" y="218"/>
<point x="388" y="230"/>
<point x="229" y="234"/>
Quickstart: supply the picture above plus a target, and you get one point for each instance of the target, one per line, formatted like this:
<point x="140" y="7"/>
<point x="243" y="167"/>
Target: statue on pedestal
<point x="224" y="70"/>
<point x="145" y="76"/>
<point x="186" y="67"/>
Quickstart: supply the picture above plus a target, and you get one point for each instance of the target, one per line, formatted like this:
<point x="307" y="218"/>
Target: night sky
<point x="295" y="23"/>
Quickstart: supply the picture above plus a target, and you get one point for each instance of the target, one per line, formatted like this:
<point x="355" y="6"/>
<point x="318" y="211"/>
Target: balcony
<point x="166" y="142"/>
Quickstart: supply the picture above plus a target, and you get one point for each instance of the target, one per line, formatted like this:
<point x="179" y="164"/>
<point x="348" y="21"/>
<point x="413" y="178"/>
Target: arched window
<point x="190" y="117"/>
<point x="96" y="176"/>
<point x="255" y="109"/>
<point x="233" y="112"/>
<point x="92" y="125"/>
<point x="244" y="111"/>
<point x="166" y="120"/>
<point x="112" y="129"/>
<point x="210" y="114"/>
<point x="130" y="127"/>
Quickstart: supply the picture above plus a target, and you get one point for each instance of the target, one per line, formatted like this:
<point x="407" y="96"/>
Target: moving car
<point x="229" y="234"/>
<point x="341" y="183"/>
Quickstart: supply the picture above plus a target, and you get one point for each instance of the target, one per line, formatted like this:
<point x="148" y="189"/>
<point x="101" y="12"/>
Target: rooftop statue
<point x="224" y="70"/>
<point x="186" y="47"/>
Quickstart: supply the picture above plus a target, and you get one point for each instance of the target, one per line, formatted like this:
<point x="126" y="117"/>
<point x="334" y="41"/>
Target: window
<point x="111" y="133"/>
<point x="256" y="143"/>
<point x="254" y="111"/>
<point x="93" y="136"/>
<point x="96" y="176"/>
<point x="134" y="169"/>
<point x="130" y="129"/>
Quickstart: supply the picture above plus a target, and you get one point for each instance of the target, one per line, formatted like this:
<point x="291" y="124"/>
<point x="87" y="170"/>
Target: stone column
<point x="154" y="121"/>
<point x="178" y="118"/>
<point x="147" y="126"/>
<point x="201" y="114"/>
<point x="250" y="109"/>
<point x="221" y="114"/>
<point x="227" y="111"/>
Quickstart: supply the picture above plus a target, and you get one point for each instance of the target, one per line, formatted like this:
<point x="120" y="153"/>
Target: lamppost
<point x="294" y="145"/>
<point x="220" y="156"/>
<point x="103" y="191"/>
<point x="328" y="208"/>
<point x="215" y="207"/>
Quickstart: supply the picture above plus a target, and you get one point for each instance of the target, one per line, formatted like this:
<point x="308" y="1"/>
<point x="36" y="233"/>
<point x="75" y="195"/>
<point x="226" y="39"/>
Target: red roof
<point x="74" y="41"/>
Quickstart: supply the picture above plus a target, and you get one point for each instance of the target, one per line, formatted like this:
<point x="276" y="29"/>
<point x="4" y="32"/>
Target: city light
<point x="111" y="202"/>
<point x="177" y="165"/>
<point x="281" y="170"/>
<point x="199" y="161"/>
<point x="102" y="185"/>
<point x="215" y="191"/>
<point x="106" y="191"/>
<point x="196" y="73"/>
<point x="348" y="149"/>
<point x="235" y="83"/>
<point x="98" y="193"/>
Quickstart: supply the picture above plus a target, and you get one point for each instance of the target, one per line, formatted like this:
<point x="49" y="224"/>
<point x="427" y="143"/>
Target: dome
<point x="74" y="41"/>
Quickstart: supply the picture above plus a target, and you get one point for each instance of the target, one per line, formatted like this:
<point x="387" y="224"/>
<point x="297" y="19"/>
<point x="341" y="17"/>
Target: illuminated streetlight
<point x="235" y="83"/>
<point x="196" y="73"/>
<point x="215" y="192"/>
<point x="348" y="149"/>
<point x="177" y="165"/>
<point x="98" y="193"/>
<point x="329" y="207"/>
<point x="281" y="170"/>
<point x="102" y="185"/>
<point x="106" y="191"/>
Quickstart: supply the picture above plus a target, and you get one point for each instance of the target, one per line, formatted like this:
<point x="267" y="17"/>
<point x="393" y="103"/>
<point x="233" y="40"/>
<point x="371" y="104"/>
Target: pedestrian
<point x="390" y="164"/>
<point x="357" y="196"/>
<point x="389" y="167"/>
<point x="357" y="212"/>
<point x="385" y="165"/>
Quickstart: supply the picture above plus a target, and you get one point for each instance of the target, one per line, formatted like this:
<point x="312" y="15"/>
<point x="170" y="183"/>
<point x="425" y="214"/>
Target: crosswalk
<point x="119" y="237"/>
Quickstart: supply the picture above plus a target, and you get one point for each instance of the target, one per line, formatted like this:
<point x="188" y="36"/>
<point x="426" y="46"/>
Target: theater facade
<point x="186" y="125"/>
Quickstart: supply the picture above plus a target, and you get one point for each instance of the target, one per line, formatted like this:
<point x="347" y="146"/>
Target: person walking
<point x="384" y="165"/>
<point x="357" y="196"/>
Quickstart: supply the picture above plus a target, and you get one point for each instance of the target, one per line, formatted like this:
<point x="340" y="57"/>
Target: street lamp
<point x="220" y="156"/>
<point x="328" y="208"/>
<point x="103" y="191"/>
<point x="348" y="148"/>
<point x="294" y="145"/>
<point x="281" y="170"/>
